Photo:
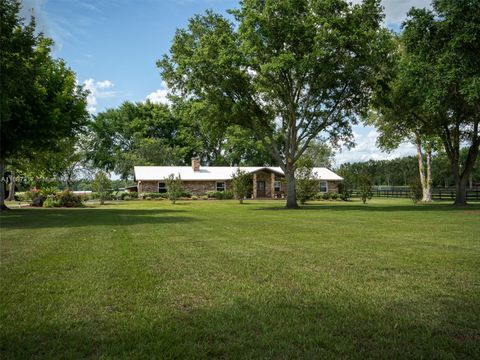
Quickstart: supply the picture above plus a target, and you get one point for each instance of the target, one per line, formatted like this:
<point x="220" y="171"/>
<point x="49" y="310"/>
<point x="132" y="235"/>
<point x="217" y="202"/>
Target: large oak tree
<point x="288" y="69"/>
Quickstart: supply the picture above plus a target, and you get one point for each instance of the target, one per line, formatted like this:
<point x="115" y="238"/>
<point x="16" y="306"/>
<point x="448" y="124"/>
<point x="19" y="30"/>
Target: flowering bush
<point x="63" y="199"/>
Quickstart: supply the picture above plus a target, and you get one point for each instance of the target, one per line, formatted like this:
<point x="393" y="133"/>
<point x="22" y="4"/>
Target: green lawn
<point x="214" y="279"/>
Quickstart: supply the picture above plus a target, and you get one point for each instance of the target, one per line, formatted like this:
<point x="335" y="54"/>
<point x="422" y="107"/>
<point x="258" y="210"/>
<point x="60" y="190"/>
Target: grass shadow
<point x="48" y="218"/>
<point x="377" y="207"/>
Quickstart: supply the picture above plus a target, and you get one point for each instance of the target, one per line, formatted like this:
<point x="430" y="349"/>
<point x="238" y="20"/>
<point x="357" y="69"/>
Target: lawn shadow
<point x="48" y="218"/>
<point x="283" y="327"/>
<point x="377" y="207"/>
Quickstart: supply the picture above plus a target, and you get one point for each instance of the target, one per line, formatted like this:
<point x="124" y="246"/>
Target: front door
<point x="260" y="189"/>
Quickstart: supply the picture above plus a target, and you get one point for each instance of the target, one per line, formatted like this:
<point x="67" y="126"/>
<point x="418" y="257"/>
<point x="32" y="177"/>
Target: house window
<point x="162" y="187"/>
<point x="323" y="186"/>
<point x="220" y="186"/>
<point x="277" y="185"/>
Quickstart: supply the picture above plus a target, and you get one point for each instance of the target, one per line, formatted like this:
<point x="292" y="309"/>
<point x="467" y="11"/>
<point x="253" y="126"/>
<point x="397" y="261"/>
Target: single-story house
<point x="267" y="181"/>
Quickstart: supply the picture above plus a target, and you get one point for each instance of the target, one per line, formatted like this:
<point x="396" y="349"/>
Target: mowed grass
<point x="215" y="279"/>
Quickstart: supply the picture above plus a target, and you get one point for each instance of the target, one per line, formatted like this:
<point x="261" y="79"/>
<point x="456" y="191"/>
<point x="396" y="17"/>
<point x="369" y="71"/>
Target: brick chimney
<point x="196" y="164"/>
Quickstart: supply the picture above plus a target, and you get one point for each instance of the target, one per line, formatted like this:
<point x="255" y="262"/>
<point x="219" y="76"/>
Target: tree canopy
<point x="287" y="69"/>
<point x="442" y="51"/>
<point x="40" y="101"/>
<point x="138" y="134"/>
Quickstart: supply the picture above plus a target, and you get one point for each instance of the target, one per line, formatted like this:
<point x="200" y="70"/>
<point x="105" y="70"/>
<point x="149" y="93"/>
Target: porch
<point x="267" y="184"/>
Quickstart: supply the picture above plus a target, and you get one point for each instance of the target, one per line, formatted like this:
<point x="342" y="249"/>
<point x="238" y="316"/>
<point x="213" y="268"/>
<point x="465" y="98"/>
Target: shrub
<point x="84" y="197"/>
<point x="228" y="195"/>
<point x="63" y="199"/>
<point x="21" y="196"/>
<point x="241" y="183"/>
<point x="334" y="196"/>
<point x="51" y="201"/>
<point x="194" y="197"/>
<point x="94" y="196"/>
<point x="174" y="187"/>
<point x="344" y="192"/>
<point x="211" y="194"/>
<point x="133" y="195"/>
<point x="47" y="190"/>
<point x="326" y="196"/>
<point x="31" y="194"/>
<point x="152" y="196"/>
<point x="186" y="194"/>
<point x="220" y="195"/>
<point x="127" y="195"/>
<point x="415" y="191"/>
<point x="36" y="197"/>
<point x="102" y="186"/>
<point x="364" y="187"/>
<point x="69" y="199"/>
<point x="204" y="197"/>
<point x="306" y="185"/>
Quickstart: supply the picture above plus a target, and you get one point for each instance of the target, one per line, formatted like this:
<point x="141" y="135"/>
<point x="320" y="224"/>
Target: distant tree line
<point x="403" y="171"/>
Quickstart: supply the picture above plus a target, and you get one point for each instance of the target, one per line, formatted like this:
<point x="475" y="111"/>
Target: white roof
<point x="214" y="172"/>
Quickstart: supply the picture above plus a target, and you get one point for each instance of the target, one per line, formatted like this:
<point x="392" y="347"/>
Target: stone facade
<point x="200" y="188"/>
<point x="263" y="179"/>
<point x="147" y="186"/>
<point x="197" y="188"/>
<point x="332" y="186"/>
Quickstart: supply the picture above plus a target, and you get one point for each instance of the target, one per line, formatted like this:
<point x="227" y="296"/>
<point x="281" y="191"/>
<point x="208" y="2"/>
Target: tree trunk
<point x="2" y="187"/>
<point x="452" y="148"/>
<point x="11" y="191"/>
<point x="461" y="192"/>
<point x="421" y="169"/>
<point x="291" y="191"/>
<point x="427" y="189"/>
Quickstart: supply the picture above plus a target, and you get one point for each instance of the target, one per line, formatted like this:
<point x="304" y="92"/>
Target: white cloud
<point x="396" y="10"/>
<point x="366" y="149"/>
<point x="105" y="84"/>
<point x="160" y="96"/>
<point x="96" y="91"/>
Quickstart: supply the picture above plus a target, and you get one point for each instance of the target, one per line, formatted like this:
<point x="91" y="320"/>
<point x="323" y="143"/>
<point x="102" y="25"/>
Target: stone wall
<point x="263" y="176"/>
<point x="147" y="186"/>
<point x="267" y="177"/>
<point x="199" y="188"/>
<point x="332" y="186"/>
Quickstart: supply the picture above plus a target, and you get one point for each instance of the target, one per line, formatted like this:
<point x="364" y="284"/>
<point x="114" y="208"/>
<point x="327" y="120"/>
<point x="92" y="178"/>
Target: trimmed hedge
<point x="220" y="195"/>
<point x="153" y="196"/>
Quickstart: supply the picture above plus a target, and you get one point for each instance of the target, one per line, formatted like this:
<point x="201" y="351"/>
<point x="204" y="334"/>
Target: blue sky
<point x="113" y="45"/>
